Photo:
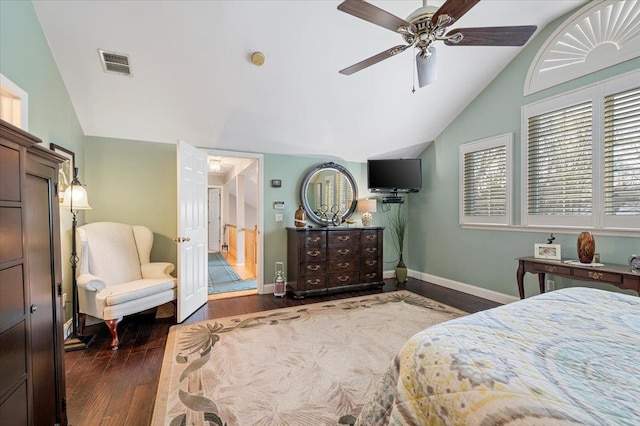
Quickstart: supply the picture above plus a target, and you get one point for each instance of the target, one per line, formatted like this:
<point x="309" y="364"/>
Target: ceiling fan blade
<point x="455" y="9"/>
<point x="370" y="13"/>
<point x="492" y="36"/>
<point x="375" y="59"/>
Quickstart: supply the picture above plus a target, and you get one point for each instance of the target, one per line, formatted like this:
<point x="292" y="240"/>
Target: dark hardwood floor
<point x="106" y="387"/>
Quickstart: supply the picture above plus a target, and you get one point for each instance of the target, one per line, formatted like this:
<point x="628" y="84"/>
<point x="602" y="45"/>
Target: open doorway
<point x="234" y="216"/>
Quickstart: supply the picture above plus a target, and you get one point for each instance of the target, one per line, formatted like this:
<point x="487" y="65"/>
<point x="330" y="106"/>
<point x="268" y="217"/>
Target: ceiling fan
<point x="429" y="24"/>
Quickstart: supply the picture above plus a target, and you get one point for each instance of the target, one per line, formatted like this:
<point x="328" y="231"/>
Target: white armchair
<point x="116" y="277"/>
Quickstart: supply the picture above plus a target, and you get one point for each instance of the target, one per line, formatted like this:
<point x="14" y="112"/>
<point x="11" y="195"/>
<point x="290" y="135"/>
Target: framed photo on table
<point x="547" y="251"/>
<point x="65" y="173"/>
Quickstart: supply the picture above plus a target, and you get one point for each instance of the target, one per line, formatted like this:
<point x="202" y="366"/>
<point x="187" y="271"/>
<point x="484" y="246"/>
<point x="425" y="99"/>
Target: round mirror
<point x="329" y="194"/>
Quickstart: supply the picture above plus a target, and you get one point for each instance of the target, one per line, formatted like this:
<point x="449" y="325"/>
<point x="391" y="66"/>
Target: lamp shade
<point x="427" y="67"/>
<point x="75" y="198"/>
<point x="366" y="205"/>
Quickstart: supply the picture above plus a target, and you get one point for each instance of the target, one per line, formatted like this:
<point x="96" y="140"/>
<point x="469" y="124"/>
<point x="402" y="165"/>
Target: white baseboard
<point x="268" y="288"/>
<point x="68" y="328"/>
<point x="465" y="288"/>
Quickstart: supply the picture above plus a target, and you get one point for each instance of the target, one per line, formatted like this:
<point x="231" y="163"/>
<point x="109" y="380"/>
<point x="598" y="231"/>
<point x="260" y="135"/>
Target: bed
<point x="571" y="356"/>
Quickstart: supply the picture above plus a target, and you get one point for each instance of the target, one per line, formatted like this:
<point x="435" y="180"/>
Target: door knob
<point x="34" y="308"/>
<point x="181" y="240"/>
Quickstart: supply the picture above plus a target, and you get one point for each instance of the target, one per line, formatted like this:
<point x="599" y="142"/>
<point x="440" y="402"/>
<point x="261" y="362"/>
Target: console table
<point x="618" y="275"/>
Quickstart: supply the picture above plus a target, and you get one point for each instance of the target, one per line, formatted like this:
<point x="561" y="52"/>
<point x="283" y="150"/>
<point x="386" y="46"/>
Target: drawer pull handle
<point x="550" y="268"/>
<point x="371" y="262"/>
<point x="371" y="275"/>
<point x="343" y="278"/>
<point x="343" y="265"/>
<point x="344" y="251"/>
<point x="596" y="275"/>
<point x="313" y="267"/>
<point x="313" y="282"/>
<point x="313" y="253"/>
<point x="313" y="239"/>
<point x="371" y="237"/>
<point x="344" y="237"/>
<point x="371" y="249"/>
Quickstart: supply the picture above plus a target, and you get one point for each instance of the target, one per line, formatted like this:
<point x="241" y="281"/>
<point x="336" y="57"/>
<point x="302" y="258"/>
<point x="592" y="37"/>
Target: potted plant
<point x="398" y="225"/>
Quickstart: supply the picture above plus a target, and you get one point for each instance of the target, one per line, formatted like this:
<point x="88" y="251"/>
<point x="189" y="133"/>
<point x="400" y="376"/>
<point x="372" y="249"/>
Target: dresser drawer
<point x="343" y="266"/>
<point x="344" y="253"/>
<point x="369" y="264"/>
<point x="369" y="252"/>
<point x="370" y="276"/>
<point x="313" y="268"/>
<point x="343" y="278"/>
<point x="310" y="254"/>
<point x="312" y="282"/>
<point x="343" y="238"/>
<point x="369" y="238"/>
<point x="313" y="239"/>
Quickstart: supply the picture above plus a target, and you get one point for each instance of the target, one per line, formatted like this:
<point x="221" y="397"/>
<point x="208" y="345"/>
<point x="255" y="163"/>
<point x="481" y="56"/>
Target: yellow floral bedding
<point x="562" y="358"/>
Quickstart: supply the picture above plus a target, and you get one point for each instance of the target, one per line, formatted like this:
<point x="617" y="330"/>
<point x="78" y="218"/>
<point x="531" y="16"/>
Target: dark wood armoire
<point x="32" y="385"/>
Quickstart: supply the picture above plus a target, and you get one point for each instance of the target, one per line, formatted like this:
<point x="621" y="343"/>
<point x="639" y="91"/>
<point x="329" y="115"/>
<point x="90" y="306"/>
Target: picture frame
<point x="547" y="251"/>
<point x="65" y="173"/>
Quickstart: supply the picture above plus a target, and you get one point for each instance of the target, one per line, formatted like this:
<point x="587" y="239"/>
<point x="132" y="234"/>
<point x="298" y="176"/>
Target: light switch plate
<point x="279" y="217"/>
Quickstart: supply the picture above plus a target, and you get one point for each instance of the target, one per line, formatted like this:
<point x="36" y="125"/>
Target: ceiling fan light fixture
<point x="427" y="66"/>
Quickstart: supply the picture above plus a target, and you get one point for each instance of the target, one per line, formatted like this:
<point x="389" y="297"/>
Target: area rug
<point x="314" y="364"/>
<point x="221" y="276"/>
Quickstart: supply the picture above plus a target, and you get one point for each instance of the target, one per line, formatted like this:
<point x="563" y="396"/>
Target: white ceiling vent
<point x="113" y="62"/>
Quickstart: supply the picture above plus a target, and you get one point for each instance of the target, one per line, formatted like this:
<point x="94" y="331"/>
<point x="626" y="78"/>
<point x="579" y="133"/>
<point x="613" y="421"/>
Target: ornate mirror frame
<point x="320" y="212"/>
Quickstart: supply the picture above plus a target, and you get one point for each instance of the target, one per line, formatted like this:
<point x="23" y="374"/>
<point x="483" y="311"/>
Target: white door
<point x="192" y="229"/>
<point x="214" y="219"/>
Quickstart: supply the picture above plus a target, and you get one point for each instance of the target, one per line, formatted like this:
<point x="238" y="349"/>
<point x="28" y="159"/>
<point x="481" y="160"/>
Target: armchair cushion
<point x="139" y="289"/>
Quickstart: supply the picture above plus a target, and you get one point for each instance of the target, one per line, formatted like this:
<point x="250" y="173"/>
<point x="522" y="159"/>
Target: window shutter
<point x="485" y="182"/>
<point x="560" y="162"/>
<point x="622" y="153"/>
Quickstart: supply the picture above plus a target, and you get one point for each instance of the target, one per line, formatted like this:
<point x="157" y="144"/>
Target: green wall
<point x="135" y="182"/>
<point x="486" y="258"/>
<point x="26" y="60"/>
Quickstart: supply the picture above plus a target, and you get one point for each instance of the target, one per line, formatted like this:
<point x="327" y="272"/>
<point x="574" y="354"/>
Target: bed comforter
<point x="571" y="356"/>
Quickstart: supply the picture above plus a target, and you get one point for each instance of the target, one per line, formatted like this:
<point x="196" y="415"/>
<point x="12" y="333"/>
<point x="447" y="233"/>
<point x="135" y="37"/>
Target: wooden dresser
<point x="322" y="260"/>
<point x="32" y="376"/>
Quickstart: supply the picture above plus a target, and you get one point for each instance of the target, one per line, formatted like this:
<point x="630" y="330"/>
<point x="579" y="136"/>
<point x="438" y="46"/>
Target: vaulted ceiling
<point x="192" y="77"/>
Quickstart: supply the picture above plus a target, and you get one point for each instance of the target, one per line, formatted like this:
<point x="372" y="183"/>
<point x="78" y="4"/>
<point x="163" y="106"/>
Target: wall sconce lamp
<point x="75" y="199"/>
<point x="366" y="206"/>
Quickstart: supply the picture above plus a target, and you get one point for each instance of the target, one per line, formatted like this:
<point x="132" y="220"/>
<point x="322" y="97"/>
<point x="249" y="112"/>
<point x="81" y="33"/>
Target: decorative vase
<point x="586" y="247"/>
<point x="300" y="218"/>
<point x="401" y="271"/>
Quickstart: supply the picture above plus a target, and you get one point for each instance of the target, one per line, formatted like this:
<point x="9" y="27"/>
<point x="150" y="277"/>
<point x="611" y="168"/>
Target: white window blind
<point x="581" y="157"/>
<point x="485" y="179"/>
<point x="622" y="153"/>
<point x="560" y="162"/>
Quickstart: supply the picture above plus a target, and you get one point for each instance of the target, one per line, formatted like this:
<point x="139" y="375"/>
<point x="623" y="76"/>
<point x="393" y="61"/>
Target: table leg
<point x="520" y="277"/>
<point x="541" y="276"/>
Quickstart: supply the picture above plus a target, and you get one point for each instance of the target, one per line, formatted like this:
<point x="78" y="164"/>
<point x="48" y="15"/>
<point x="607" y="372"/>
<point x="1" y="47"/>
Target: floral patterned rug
<point x="314" y="364"/>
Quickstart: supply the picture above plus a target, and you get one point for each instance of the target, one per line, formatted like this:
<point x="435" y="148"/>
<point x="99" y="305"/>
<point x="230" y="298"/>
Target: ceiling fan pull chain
<point x="413" y="72"/>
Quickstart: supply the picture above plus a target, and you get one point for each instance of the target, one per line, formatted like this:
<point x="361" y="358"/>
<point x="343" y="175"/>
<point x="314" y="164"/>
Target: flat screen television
<point x="394" y="176"/>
